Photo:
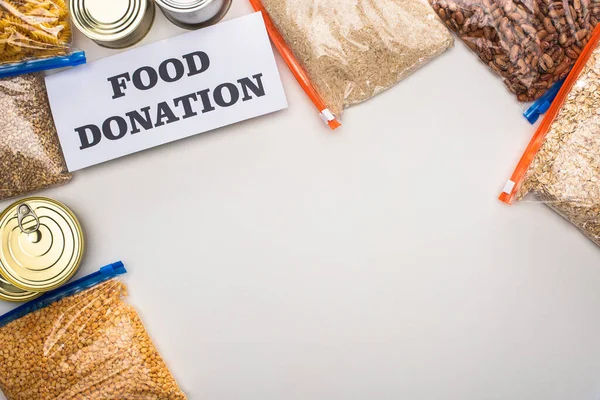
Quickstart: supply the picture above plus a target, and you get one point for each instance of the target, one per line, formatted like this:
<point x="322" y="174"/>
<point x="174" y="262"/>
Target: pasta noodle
<point x="31" y="29"/>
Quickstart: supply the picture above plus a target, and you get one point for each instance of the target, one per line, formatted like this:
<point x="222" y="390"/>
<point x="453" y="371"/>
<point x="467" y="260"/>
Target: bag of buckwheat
<point x="82" y="341"/>
<point x="344" y="52"/>
<point x="30" y="154"/>
<point x="561" y="166"/>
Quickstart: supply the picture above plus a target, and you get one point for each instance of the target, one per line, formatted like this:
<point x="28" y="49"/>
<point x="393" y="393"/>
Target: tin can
<point x="12" y="293"/>
<point x="41" y="244"/>
<point x="194" y="14"/>
<point x="114" y="24"/>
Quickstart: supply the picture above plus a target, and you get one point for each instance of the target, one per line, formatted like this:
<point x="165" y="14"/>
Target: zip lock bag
<point x="343" y="52"/>
<point x="561" y="165"/>
<point x="541" y="105"/>
<point x="530" y="45"/>
<point x="35" y="35"/>
<point x="31" y="158"/>
<point x="82" y="341"/>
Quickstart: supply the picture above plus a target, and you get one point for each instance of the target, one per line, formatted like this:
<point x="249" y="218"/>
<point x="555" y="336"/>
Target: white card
<point x="165" y="91"/>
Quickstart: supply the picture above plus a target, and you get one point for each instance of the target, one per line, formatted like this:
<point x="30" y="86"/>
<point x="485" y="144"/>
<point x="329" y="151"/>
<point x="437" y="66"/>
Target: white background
<point x="276" y="260"/>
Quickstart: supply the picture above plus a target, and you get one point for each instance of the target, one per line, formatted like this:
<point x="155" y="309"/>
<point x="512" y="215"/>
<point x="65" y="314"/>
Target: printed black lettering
<point x="187" y="104"/>
<point x="86" y="143"/>
<point x="234" y="94"/>
<point x="163" y="70"/>
<point x="107" y="128"/>
<point x="206" y="104"/>
<point x="152" y="78"/>
<point x="164" y="111"/>
<point x="256" y="88"/>
<point x="136" y="118"/>
<point x="119" y="84"/>
<point x="191" y="62"/>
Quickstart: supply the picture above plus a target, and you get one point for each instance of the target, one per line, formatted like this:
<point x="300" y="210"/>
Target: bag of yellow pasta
<point x="35" y="35"/>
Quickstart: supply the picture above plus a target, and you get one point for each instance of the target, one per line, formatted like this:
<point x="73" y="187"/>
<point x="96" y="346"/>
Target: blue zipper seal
<point x="42" y="64"/>
<point x="542" y="104"/>
<point x="108" y="272"/>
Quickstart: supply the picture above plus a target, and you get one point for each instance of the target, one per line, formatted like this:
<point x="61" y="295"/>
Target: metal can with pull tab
<point x="114" y="24"/>
<point x="194" y="14"/>
<point x="41" y="245"/>
<point x="11" y="293"/>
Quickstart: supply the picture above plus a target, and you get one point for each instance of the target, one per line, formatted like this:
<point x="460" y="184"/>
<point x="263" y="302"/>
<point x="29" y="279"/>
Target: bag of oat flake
<point x="561" y="166"/>
<point x="82" y="341"/>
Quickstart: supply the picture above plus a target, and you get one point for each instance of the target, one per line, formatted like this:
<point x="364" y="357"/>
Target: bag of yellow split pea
<point x="82" y="341"/>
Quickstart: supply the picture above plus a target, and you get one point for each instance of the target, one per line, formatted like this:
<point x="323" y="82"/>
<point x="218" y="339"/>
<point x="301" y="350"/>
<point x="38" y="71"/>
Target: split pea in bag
<point x="30" y="155"/>
<point x="561" y="166"/>
<point x="82" y="341"/>
<point x="344" y="52"/>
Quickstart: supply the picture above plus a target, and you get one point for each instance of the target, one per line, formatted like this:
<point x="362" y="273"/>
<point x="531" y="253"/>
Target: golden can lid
<point x="42" y="244"/>
<point x="9" y="292"/>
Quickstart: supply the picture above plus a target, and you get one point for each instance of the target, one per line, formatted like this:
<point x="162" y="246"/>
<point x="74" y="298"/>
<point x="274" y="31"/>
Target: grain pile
<point x="91" y="345"/>
<point x="355" y="49"/>
<point x="30" y="154"/>
<point x="33" y="29"/>
<point x="565" y="173"/>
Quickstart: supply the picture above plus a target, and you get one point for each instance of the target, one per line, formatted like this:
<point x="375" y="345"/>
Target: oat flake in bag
<point x="561" y="166"/>
<point x="344" y="52"/>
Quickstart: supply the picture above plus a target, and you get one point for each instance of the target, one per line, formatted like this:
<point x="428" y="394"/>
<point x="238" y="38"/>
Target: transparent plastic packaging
<point x="531" y="45"/>
<point x="561" y="166"/>
<point x="344" y="52"/>
<point x="35" y="35"/>
<point x="82" y="341"/>
<point x="30" y="154"/>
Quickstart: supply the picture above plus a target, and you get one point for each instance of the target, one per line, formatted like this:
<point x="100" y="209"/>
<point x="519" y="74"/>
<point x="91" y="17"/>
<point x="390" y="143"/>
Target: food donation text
<point x="188" y="105"/>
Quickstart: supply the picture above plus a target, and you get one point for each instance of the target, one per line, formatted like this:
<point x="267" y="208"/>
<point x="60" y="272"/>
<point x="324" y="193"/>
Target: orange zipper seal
<point x="513" y="185"/>
<point x="294" y="66"/>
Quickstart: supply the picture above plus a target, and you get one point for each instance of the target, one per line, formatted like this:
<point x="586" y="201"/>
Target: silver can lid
<point x="108" y="20"/>
<point x="184" y="5"/>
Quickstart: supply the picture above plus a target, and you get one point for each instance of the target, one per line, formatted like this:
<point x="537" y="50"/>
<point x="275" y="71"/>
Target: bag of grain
<point x="30" y="154"/>
<point x="531" y="45"/>
<point x="82" y="341"/>
<point x="561" y="166"/>
<point x="344" y="52"/>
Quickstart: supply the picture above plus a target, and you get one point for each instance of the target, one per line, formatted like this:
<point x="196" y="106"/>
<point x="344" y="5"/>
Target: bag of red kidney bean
<point x="529" y="44"/>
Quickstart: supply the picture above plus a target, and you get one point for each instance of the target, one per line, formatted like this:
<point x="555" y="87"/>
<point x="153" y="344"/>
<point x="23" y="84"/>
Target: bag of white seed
<point x="344" y="52"/>
<point x="30" y="155"/>
<point x="82" y="341"/>
<point x="531" y="45"/>
<point x="561" y="166"/>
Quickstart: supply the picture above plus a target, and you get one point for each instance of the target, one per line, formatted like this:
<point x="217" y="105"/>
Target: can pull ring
<point x="24" y="210"/>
